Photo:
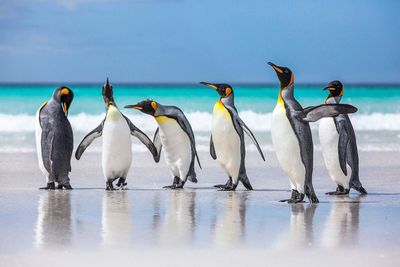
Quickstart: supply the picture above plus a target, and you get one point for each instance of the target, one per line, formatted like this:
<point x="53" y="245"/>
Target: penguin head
<point x="146" y="106"/>
<point x="223" y="89"/>
<point x="108" y="94"/>
<point x="64" y="96"/>
<point x="335" y="88"/>
<point x="285" y="75"/>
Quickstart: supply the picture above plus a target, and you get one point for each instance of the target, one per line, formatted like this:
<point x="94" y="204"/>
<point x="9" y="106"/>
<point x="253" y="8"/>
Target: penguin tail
<point x="359" y="188"/>
<point x="245" y="181"/>
<point x="191" y="176"/>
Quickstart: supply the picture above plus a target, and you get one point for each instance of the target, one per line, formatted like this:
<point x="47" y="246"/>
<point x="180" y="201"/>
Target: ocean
<point x="377" y="122"/>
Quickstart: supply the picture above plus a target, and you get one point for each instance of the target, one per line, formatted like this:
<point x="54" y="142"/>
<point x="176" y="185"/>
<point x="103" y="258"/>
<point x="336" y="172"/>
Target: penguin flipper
<point x="46" y="145"/>
<point x="142" y="137"/>
<point x="342" y="145"/>
<point x="251" y="135"/>
<point x="157" y="145"/>
<point x="312" y="114"/>
<point x="88" y="139"/>
<point x="212" y="149"/>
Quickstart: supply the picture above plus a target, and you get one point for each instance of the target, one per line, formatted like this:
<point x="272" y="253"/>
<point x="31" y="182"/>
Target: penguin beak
<point x="210" y="85"/>
<point x="65" y="109"/>
<point x="134" y="106"/>
<point x="329" y="88"/>
<point x="276" y="68"/>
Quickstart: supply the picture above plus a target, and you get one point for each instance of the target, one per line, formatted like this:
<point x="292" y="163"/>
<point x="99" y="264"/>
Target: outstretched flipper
<point x="251" y="135"/>
<point x="342" y="145"/>
<point x="157" y="145"/>
<point x="88" y="139"/>
<point x="312" y="114"/>
<point x="212" y="149"/>
<point x="142" y="137"/>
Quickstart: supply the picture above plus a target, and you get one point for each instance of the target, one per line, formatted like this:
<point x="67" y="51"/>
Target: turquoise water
<point x="377" y="121"/>
<point x="26" y="99"/>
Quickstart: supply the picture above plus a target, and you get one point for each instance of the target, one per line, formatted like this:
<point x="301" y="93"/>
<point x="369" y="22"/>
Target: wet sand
<point x="147" y="225"/>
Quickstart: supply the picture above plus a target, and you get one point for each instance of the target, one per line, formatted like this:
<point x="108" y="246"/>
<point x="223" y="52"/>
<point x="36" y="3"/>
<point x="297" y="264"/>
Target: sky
<point x="187" y="41"/>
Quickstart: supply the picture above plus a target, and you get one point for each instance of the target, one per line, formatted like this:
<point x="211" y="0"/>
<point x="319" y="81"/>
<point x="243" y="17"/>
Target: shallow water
<point x="92" y="219"/>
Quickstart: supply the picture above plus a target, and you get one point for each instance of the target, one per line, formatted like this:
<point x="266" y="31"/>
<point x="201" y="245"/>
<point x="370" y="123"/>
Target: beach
<point x="198" y="224"/>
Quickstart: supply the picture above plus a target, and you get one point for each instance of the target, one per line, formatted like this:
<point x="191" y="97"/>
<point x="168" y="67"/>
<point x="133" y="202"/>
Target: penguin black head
<point x="223" y="89"/>
<point x="146" y="106"/>
<point x="108" y="94"/>
<point x="64" y="96"/>
<point x="335" y="88"/>
<point x="285" y="75"/>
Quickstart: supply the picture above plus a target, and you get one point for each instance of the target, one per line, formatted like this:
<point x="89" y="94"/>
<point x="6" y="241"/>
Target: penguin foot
<point x="296" y="197"/>
<point x="340" y="191"/>
<point x="50" y="186"/>
<point x="223" y="186"/>
<point x="228" y="188"/>
<point x="64" y="186"/>
<point x="172" y="186"/>
<point x="109" y="186"/>
<point x="122" y="184"/>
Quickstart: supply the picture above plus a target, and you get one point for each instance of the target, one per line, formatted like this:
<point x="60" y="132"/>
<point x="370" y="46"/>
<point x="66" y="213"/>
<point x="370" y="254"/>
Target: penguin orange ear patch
<point x="64" y="91"/>
<point x="154" y="105"/>
<point x="228" y="91"/>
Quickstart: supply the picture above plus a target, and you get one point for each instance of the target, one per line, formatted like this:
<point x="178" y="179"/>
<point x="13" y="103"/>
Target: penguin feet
<point x="231" y="187"/>
<point x="64" y="186"/>
<point x="340" y="190"/>
<point x="177" y="184"/>
<point x="50" y="186"/>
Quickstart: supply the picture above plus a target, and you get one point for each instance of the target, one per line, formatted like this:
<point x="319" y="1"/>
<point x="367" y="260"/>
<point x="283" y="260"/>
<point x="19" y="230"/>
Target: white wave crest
<point x="200" y="121"/>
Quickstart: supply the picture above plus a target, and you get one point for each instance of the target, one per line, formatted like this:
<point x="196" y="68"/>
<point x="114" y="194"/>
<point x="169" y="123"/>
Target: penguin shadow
<point x="176" y="229"/>
<point x="229" y="228"/>
<point x="300" y="234"/>
<point x="54" y="223"/>
<point x="116" y="220"/>
<point x="342" y="223"/>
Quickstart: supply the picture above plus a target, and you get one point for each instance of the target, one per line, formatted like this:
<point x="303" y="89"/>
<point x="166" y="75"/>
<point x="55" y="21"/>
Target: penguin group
<point x="290" y="132"/>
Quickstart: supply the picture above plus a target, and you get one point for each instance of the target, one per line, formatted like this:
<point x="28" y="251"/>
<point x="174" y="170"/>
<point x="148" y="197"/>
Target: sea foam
<point x="200" y="121"/>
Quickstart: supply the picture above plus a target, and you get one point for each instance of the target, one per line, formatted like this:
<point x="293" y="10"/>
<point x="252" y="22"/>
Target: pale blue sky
<point x="190" y="41"/>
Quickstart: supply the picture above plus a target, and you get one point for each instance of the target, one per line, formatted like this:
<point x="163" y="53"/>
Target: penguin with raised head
<point x="175" y="134"/>
<point x="339" y="146"/>
<point x="54" y="138"/>
<point x="116" y="130"/>
<point x="227" y="139"/>
<point x="291" y="135"/>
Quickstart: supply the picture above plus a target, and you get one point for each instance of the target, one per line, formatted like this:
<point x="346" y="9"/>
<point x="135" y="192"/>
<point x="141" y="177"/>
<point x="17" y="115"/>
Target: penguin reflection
<point x="229" y="228"/>
<point x="341" y="227"/>
<point x="54" y="226"/>
<point x="116" y="221"/>
<point x="300" y="234"/>
<point x="178" y="226"/>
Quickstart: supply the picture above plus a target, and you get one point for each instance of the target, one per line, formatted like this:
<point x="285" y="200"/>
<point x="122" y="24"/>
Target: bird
<point x="339" y="146"/>
<point x="116" y="130"/>
<point x="175" y="134"/>
<point x="291" y="135"/>
<point x="54" y="139"/>
<point x="227" y="144"/>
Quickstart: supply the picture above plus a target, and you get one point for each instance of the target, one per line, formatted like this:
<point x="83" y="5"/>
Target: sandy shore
<point x="151" y="226"/>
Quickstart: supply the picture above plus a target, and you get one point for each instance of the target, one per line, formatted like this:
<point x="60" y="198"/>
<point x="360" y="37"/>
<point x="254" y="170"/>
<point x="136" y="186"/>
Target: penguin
<point x="339" y="146"/>
<point x="117" y="144"/>
<point x="175" y="134"/>
<point x="227" y="139"/>
<point x="291" y="135"/>
<point x="54" y="139"/>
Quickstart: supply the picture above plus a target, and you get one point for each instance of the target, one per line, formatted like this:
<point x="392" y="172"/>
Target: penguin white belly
<point x="176" y="146"/>
<point x="117" y="145"/>
<point x="329" y="140"/>
<point x="226" y="141"/>
<point x="287" y="148"/>
<point x="38" y="135"/>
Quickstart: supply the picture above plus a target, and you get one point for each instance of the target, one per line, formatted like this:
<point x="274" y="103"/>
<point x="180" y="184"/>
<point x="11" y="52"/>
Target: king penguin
<point x="227" y="139"/>
<point x="54" y="138"/>
<point x="339" y="146"/>
<point x="291" y="135"/>
<point x="175" y="134"/>
<point x="116" y="130"/>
